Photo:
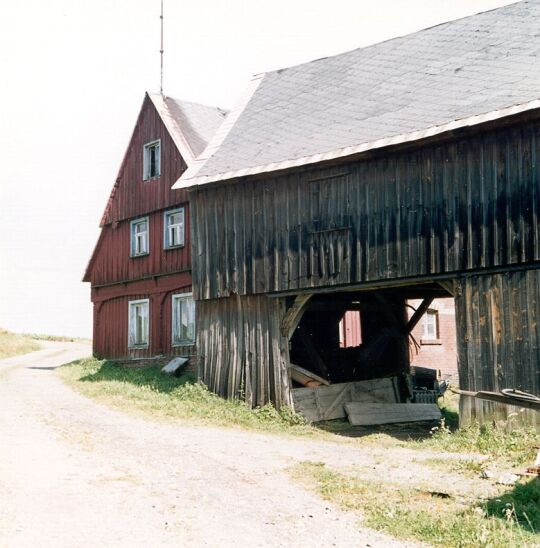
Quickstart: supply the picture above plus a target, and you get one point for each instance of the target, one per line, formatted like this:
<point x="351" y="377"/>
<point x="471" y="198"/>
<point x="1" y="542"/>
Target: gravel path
<point x="74" y="473"/>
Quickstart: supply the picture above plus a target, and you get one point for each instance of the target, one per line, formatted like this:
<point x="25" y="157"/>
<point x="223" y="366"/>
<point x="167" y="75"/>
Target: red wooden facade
<point x="116" y="277"/>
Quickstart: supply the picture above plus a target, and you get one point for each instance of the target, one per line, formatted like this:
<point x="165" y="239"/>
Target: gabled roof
<point x="456" y="74"/>
<point x="190" y="125"/>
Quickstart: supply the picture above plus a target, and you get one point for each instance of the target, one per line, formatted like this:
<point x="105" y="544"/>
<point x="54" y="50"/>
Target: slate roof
<point x="459" y="73"/>
<point x="191" y="125"/>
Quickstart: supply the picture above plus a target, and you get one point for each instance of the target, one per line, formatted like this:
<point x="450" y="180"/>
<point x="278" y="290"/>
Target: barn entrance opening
<point x="358" y="342"/>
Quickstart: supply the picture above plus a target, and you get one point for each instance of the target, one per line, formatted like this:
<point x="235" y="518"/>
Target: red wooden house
<point x="140" y="270"/>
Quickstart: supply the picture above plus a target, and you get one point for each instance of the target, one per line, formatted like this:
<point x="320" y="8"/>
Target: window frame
<point x="166" y="215"/>
<point x="182" y="297"/>
<point x="132" y="241"/>
<point x="426" y="337"/>
<point x="131" y="318"/>
<point x="147" y="176"/>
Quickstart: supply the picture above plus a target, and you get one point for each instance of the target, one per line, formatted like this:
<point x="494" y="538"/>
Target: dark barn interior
<point x="385" y="334"/>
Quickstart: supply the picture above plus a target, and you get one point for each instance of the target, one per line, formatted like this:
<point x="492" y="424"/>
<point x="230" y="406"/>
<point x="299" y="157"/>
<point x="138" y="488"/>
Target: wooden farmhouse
<point x="403" y="170"/>
<point x="140" y="270"/>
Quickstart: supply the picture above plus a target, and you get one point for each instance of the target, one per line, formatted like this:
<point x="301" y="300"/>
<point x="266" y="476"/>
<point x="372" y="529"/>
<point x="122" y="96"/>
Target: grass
<point x="148" y="391"/>
<point x="516" y="447"/>
<point x="59" y="338"/>
<point x="12" y="344"/>
<point x="407" y="513"/>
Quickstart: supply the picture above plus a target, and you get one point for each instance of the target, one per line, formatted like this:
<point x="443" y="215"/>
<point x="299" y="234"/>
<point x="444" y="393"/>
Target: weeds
<point x="147" y="390"/>
<point x="407" y="513"/>
<point x="12" y="344"/>
<point x="496" y="439"/>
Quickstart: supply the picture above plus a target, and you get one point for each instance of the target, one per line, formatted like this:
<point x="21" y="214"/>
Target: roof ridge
<point x="400" y="37"/>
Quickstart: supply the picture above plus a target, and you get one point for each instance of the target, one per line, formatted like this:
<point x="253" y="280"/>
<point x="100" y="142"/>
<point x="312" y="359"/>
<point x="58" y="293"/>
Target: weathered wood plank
<point x="327" y="402"/>
<point x="301" y="375"/>
<point x="371" y="414"/>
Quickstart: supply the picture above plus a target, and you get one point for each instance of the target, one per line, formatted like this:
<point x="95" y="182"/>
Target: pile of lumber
<point x="327" y="402"/>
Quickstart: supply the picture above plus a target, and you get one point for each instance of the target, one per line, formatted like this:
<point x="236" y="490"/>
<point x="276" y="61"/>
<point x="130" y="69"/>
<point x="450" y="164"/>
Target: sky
<point x="74" y="75"/>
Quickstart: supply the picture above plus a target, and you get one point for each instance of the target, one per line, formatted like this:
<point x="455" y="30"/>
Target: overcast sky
<point x="74" y="75"/>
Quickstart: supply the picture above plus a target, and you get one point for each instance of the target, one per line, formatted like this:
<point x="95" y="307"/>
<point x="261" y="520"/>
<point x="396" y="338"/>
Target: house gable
<point x="181" y="129"/>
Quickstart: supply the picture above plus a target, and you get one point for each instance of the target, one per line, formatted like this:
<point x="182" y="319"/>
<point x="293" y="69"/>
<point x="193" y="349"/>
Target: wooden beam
<point x="448" y="285"/>
<point x="294" y="315"/>
<point x="500" y="398"/>
<point x="301" y="375"/>
<point x="314" y="356"/>
<point x="420" y="311"/>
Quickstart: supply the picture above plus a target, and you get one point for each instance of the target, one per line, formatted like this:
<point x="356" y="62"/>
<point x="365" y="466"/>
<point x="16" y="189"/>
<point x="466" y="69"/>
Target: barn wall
<point x="111" y="318"/>
<point x="113" y="262"/>
<point x="498" y="331"/>
<point x="241" y="350"/>
<point x="467" y="204"/>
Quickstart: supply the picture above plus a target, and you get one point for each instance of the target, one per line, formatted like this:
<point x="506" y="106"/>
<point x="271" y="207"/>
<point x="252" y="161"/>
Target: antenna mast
<point x="161" y="51"/>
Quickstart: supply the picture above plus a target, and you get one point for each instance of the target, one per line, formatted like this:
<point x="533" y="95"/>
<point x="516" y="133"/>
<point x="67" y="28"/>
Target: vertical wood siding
<point x="133" y="196"/>
<point x="113" y="262"/>
<point x="498" y="333"/>
<point x="463" y="205"/>
<point x="111" y="324"/>
<point x="241" y="350"/>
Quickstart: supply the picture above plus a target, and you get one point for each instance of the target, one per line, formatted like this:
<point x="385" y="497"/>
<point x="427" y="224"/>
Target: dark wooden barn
<point x="140" y="270"/>
<point x="404" y="170"/>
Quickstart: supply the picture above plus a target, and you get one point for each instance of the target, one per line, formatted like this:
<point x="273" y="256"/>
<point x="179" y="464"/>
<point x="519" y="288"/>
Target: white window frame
<point x="132" y="307"/>
<point x="184" y="297"/>
<point x="180" y="227"/>
<point x="146" y="159"/>
<point x="134" y="240"/>
<point x="431" y="315"/>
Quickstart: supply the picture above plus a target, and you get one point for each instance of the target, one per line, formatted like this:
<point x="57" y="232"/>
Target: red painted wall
<point x="111" y="317"/>
<point x="113" y="263"/>
<point x="116" y="277"/>
<point x="133" y="196"/>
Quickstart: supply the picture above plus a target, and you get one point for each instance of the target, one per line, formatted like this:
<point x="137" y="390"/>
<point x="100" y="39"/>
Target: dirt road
<point x="74" y="473"/>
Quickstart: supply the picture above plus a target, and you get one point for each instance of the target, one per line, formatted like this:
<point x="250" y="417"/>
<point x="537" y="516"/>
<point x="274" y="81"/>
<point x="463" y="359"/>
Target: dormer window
<point x="139" y="237"/>
<point x="152" y="160"/>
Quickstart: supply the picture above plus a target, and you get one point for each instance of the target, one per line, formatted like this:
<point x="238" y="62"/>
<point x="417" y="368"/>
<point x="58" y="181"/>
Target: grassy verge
<point x="12" y="344"/>
<point x="148" y="391"/>
<point x="511" y="446"/>
<point x="407" y="513"/>
<point x="59" y="338"/>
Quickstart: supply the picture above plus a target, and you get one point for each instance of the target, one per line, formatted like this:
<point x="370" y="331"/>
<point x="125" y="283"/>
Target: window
<point x="152" y="160"/>
<point x="138" y="324"/>
<point x="139" y="237"/>
<point x="430" y="326"/>
<point x="173" y="224"/>
<point x="183" y="319"/>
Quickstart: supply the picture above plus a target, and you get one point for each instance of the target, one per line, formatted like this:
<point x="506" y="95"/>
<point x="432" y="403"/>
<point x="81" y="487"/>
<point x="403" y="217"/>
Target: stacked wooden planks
<point x="327" y="402"/>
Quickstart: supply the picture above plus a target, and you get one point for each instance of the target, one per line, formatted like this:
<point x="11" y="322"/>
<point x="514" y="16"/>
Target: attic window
<point x="152" y="160"/>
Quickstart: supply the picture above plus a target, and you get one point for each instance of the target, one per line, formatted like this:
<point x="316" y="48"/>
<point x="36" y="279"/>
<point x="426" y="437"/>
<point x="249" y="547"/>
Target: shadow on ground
<point x="150" y="377"/>
<point x="521" y="504"/>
